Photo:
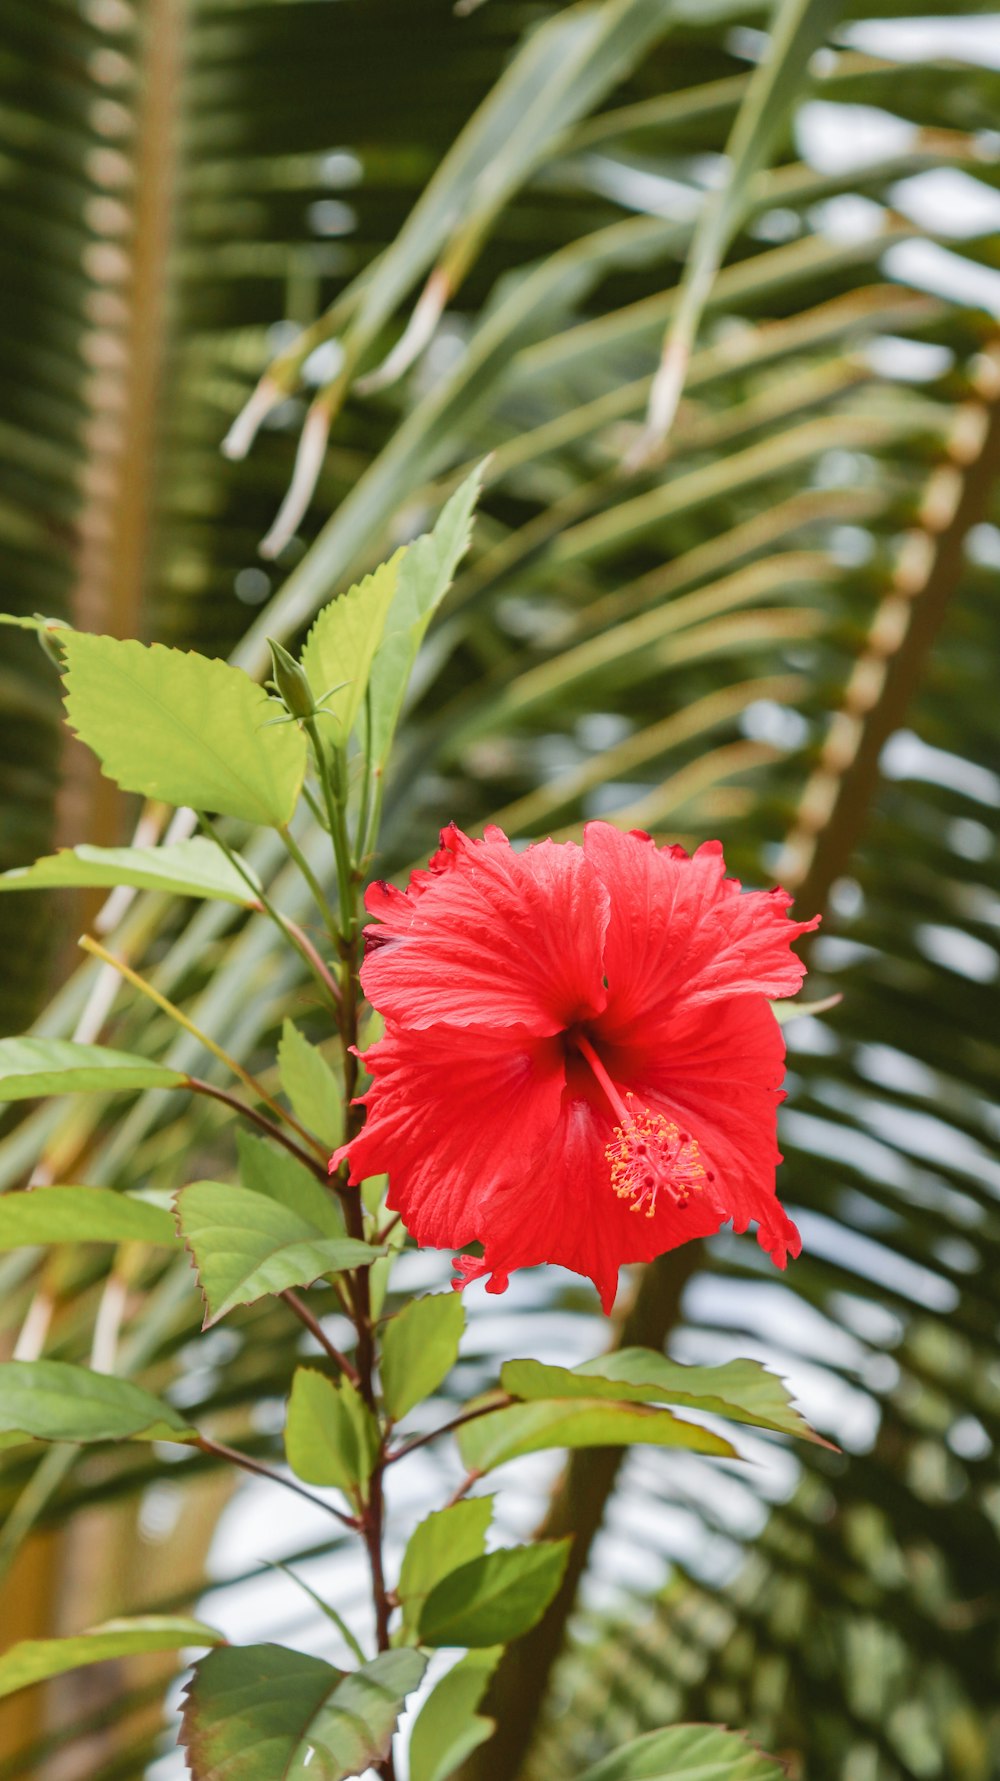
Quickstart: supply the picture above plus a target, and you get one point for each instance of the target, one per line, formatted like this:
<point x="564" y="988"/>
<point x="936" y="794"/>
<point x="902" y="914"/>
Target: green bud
<point x="290" y="680"/>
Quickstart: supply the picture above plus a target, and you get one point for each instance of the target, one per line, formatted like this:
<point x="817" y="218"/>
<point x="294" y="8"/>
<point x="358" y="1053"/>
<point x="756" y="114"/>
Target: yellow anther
<point x="650" y="1154"/>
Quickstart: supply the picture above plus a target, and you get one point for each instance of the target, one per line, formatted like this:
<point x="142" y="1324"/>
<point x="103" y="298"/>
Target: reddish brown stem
<point x="219" y="1450"/>
<point x="500" y="1403"/>
<point x="198" y="1087"/>
<point x="315" y="1328"/>
<point x="319" y="966"/>
<point x="464" y="1488"/>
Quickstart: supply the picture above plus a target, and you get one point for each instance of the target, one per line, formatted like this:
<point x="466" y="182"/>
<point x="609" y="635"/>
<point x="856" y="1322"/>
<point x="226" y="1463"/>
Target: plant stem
<point x="364" y="803"/>
<point x="446" y="1428"/>
<point x="309" y="951"/>
<point x="98" y="951"/>
<point x="199" y="1087"/>
<point x="336" y="815"/>
<point x="464" y="1488"/>
<point x="303" y="945"/>
<point x="330" y="773"/>
<point x="219" y="1450"/>
<point x="312" y="881"/>
<point x="315" y="1328"/>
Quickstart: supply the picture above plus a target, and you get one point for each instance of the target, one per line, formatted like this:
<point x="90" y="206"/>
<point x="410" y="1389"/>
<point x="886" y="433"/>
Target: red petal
<point x="681" y="934"/>
<point x="484" y="1142"/>
<point x="454" y="1116"/>
<point x="497" y="938"/>
<point x="568" y="1213"/>
<point x="719" y="1072"/>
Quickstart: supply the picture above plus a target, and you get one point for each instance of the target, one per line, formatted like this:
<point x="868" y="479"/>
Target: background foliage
<point x="783" y="630"/>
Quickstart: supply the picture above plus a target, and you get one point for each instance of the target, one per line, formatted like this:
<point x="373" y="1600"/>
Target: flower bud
<point x="290" y="680"/>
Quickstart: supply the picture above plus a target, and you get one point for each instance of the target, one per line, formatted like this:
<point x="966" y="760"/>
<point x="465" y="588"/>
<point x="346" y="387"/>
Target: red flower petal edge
<point x="580" y="1063"/>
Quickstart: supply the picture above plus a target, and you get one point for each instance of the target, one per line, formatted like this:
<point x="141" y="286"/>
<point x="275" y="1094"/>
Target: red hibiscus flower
<point x="580" y="1064"/>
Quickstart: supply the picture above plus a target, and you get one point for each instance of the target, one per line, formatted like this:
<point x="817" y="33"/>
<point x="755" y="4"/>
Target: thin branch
<point x="199" y="1087"/>
<point x="219" y="1450"/>
<point x="312" y="881"/>
<point x="447" y="1428"/>
<point x="250" y="1082"/>
<point x="464" y="1488"/>
<point x="319" y="966"/>
<point x="262" y="902"/>
<point x="315" y="1328"/>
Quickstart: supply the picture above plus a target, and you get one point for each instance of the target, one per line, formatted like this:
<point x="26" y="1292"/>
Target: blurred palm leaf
<point x="667" y="648"/>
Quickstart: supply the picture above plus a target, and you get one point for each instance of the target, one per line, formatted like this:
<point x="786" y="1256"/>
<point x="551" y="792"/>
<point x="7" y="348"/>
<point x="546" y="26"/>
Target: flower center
<point x="648" y="1153"/>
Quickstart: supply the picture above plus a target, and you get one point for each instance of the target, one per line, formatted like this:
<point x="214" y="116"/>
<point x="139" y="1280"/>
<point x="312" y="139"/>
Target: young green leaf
<point x="311" y="1086"/>
<point x="183" y="727"/>
<point x="246" y="1245"/>
<point x="261" y="1711"/>
<point x="81" y="1215"/>
<point x="331" y="1436"/>
<point x="742" y="1390"/>
<point x="492" y="1600"/>
<point x="688" y="1753"/>
<point x="52" y="1400"/>
<point x="194" y="868"/>
<point x="341" y="646"/>
<point x="425" y="576"/>
<point x="587" y="1422"/>
<point x="30" y="1067"/>
<point x="419" y="1349"/>
<point x="263" y="1169"/>
<point x="446" y="1539"/>
<point x="448" y="1728"/>
<point x="35" y="1660"/>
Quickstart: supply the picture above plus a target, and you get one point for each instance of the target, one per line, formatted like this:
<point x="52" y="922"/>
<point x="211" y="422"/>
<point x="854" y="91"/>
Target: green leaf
<point x="183" y="727"/>
<point x="588" y="1422"/>
<point x="35" y="1660"/>
<point x="425" y="575"/>
<point x="492" y="1600"/>
<point x="688" y="1753"/>
<point x="81" y="1215"/>
<point x="246" y="1245"/>
<point x="52" y="1400"/>
<point x="311" y="1086"/>
<point x="341" y="646"/>
<point x="264" y="1169"/>
<point x="448" y="1728"/>
<point x="441" y="1543"/>
<point x="36" y="622"/>
<point x="262" y="1711"/>
<point x="30" y="1067"/>
<point x="331" y="1436"/>
<point x="419" y="1349"/>
<point x="742" y="1390"/>
<point x="195" y="868"/>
